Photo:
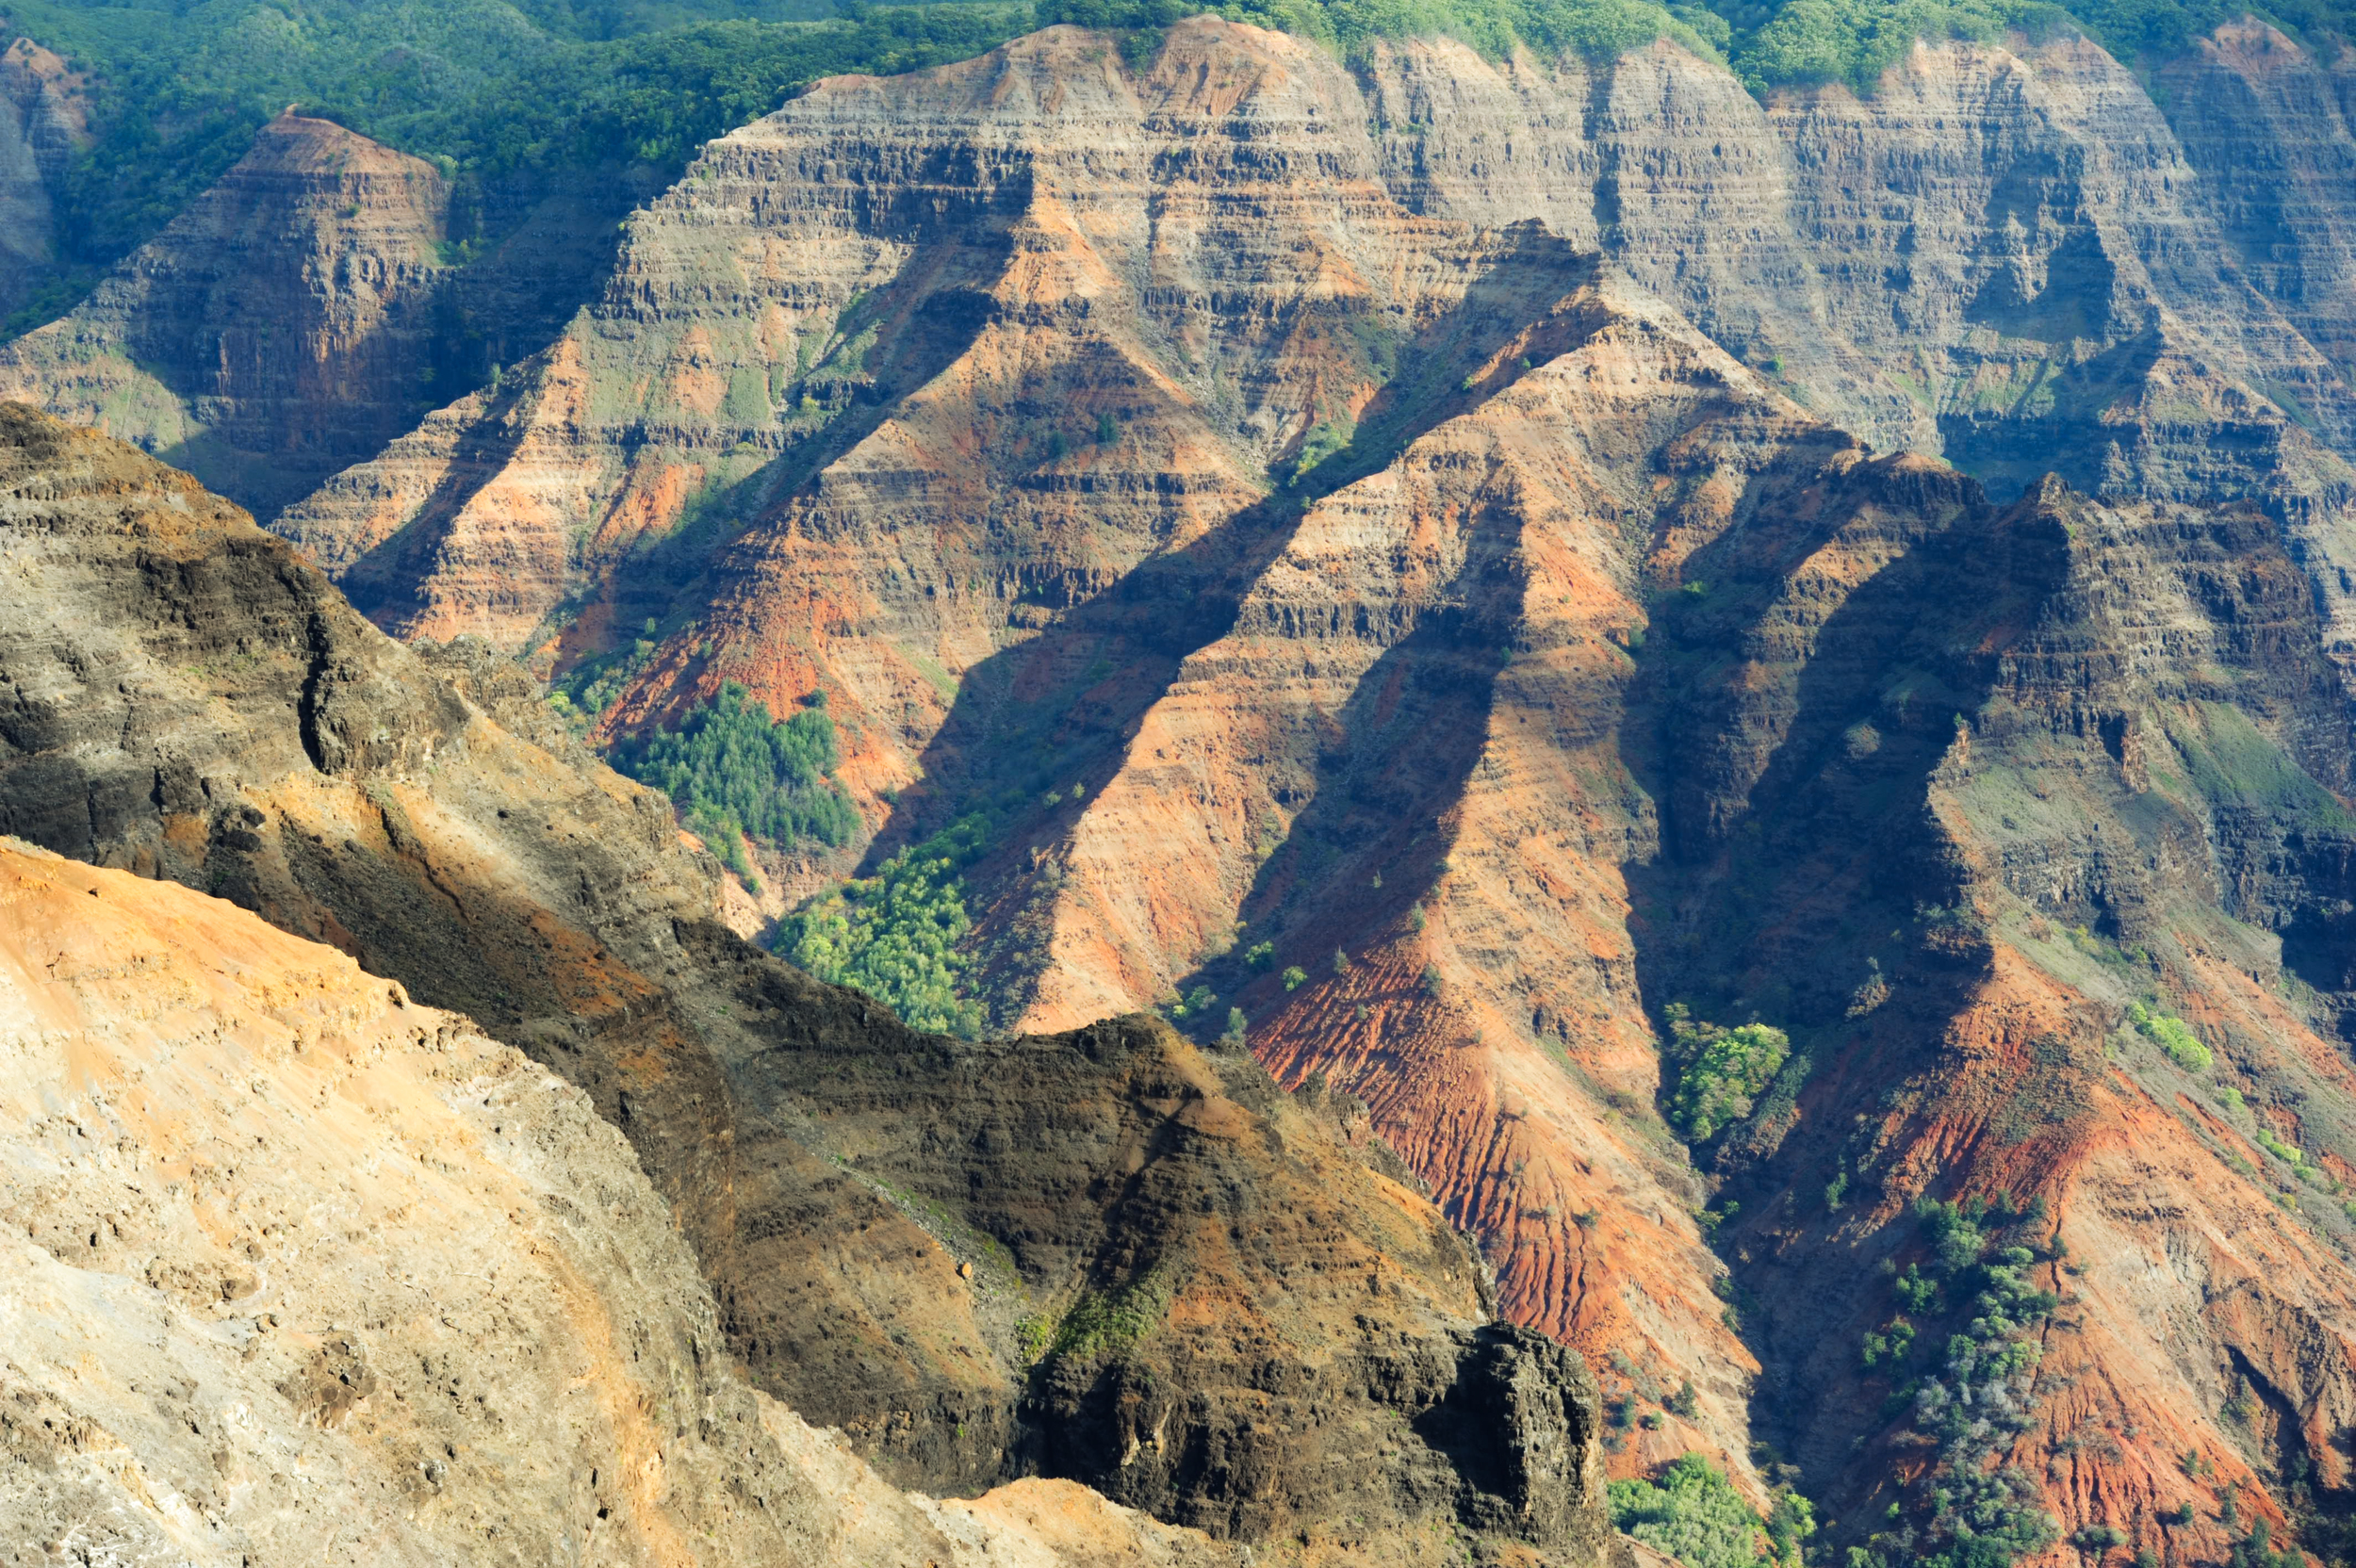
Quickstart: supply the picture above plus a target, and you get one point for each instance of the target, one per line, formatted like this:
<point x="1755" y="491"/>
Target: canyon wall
<point x="1452" y="557"/>
<point x="982" y="1261"/>
<point x="304" y="1271"/>
<point x="318" y="302"/>
<point x="2006" y="255"/>
<point x="276" y="331"/>
<point x="44" y="122"/>
<point x="1423" y="518"/>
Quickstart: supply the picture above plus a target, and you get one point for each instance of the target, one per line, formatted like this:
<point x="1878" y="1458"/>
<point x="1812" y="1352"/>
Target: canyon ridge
<point x="1567" y="761"/>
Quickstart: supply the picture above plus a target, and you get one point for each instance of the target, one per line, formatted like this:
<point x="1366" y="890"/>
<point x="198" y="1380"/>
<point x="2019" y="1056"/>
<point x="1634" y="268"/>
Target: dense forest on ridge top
<point x="497" y="91"/>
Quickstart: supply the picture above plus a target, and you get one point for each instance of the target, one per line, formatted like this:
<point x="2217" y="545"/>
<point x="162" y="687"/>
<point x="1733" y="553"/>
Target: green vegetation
<point x="2171" y="1034"/>
<point x="1197" y="1003"/>
<point x="1972" y="1511"/>
<point x="1109" y="1321"/>
<point x="589" y="688"/>
<point x="2282" y="1150"/>
<point x="1856" y="41"/>
<point x="894" y="935"/>
<point x="506" y="95"/>
<point x="1597" y="29"/>
<point x="1694" y="1513"/>
<point x="1768" y="42"/>
<point x="489" y="91"/>
<point x="2258" y="1551"/>
<point x="1719" y="1072"/>
<point x="1295" y="976"/>
<point x="2230" y="762"/>
<point x="1891" y="1344"/>
<point x="736" y="773"/>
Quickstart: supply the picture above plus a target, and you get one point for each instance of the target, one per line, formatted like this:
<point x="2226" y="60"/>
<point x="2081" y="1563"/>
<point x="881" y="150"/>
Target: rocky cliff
<point x="1437" y="519"/>
<point x="314" y="305"/>
<point x="2010" y="256"/>
<point x="301" y="1270"/>
<point x="1452" y="557"/>
<point x="981" y="1261"/>
<point x="2006" y="840"/>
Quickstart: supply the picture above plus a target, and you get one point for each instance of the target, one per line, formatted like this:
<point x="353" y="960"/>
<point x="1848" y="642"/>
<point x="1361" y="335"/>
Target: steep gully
<point x="1588" y="660"/>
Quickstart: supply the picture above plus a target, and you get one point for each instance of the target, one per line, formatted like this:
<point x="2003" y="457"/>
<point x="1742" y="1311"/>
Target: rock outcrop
<point x="2032" y="269"/>
<point x="316" y="302"/>
<point x="301" y="1270"/>
<point x="982" y="1260"/>
<point x="1425" y="511"/>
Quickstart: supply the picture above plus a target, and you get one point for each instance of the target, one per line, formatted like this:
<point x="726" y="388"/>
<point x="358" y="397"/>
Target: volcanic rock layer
<point x="980" y="1261"/>
<point x="1433" y="517"/>
<point x="301" y="1270"/>
<point x="1454" y="558"/>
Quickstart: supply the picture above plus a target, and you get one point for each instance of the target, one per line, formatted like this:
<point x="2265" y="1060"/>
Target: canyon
<point x="979" y="1263"/>
<point x="1447" y="557"/>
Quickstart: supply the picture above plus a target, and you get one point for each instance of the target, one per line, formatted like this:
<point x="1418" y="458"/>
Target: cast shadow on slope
<point x="1821" y="895"/>
<point x="1367" y="849"/>
<point x="189" y="699"/>
<point x="923" y="320"/>
<point x="1105" y="661"/>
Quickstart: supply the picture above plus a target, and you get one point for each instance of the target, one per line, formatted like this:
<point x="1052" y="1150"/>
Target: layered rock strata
<point x="1993" y="831"/>
<point x="1085" y="1220"/>
<point x="316" y="302"/>
<point x="1431" y="513"/>
<point x="301" y="1270"/>
<point x="1407" y="430"/>
<point x="277" y="330"/>
<point x="2032" y="266"/>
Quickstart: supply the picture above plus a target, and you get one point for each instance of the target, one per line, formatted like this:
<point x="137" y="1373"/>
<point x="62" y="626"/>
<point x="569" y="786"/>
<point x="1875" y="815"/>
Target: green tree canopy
<point x="894" y="935"/>
<point x="1694" y="1513"/>
<point x="734" y="770"/>
<point x="1719" y="1072"/>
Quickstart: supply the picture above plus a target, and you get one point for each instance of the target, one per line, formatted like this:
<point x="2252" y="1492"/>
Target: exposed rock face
<point x="277" y="330"/>
<point x="1180" y="1218"/>
<point x="2265" y="123"/>
<point x="2109" y="775"/>
<point x="1432" y="513"/>
<point x="2006" y="255"/>
<point x="300" y="314"/>
<point x="303" y="1270"/>
<point x="977" y="1259"/>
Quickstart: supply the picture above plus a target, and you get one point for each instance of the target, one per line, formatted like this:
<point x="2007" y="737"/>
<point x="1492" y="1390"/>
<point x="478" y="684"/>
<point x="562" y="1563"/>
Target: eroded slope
<point x="301" y="1270"/>
<point x="185" y="696"/>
